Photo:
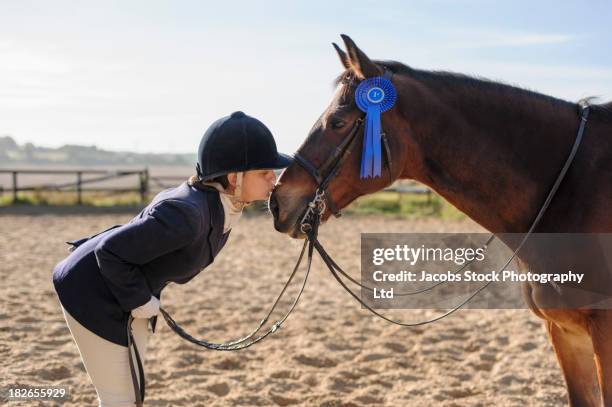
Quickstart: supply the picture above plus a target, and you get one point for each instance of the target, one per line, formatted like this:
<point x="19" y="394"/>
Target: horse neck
<point x="491" y="150"/>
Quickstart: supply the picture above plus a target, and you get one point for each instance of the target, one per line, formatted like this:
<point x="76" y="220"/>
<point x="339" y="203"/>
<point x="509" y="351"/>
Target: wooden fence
<point x="80" y="185"/>
<point x="83" y="178"/>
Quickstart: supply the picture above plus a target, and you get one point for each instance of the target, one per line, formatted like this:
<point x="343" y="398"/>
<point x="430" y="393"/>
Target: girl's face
<point x="257" y="185"/>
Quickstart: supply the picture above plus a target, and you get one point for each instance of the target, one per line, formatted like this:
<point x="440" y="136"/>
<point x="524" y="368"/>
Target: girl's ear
<point x="231" y="177"/>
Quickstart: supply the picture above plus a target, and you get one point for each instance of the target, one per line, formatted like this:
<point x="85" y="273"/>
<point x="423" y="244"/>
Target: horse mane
<point x="602" y="112"/>
<point x="442" y="78"/>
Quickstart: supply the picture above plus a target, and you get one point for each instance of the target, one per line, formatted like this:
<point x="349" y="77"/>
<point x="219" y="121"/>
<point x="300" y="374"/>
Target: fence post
<point x="144" y="185"/>
<point x="79" y="188"/>
<point x="14" y="187"/>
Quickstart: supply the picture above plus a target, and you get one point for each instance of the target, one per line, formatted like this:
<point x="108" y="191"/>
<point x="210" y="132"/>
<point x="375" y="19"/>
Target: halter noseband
<point x="326" y="173"/>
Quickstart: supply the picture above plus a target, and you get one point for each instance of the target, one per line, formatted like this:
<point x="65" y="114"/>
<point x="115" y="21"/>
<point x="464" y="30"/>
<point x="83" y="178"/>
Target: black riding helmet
<point x="237" y="143"/>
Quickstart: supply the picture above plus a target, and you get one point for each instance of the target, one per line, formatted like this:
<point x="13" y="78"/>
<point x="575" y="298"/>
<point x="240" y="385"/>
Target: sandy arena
<point x="329" y="353"/>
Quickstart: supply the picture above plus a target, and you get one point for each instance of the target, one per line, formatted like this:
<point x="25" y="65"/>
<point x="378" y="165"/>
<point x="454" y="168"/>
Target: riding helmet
<point x="237" y="143"/>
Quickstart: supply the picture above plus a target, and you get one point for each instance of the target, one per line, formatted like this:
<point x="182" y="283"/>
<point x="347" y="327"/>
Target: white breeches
<point x="107" y="363"/>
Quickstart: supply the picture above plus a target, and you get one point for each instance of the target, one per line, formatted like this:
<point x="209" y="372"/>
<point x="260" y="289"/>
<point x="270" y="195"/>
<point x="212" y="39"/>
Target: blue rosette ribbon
<point x="373" y="96"/>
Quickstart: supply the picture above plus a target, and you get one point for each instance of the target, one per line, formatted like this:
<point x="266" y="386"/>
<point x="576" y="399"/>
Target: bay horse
<point x="493" y="151"/>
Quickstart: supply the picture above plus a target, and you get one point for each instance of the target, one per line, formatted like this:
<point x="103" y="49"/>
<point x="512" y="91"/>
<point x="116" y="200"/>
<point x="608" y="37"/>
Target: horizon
<point x="93" y="146"/>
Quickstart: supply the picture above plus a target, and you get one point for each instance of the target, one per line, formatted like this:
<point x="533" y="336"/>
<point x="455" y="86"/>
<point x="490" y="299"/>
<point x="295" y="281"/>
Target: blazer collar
<point x="216" y="220"/>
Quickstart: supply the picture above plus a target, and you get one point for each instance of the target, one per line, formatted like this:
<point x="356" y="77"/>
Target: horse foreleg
<point x="575" y="355"/>
<point x="600" y="327"/>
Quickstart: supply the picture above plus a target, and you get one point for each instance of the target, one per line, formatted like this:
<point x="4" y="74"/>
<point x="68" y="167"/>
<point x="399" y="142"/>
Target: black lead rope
<point x="248" y="340"/>
<point x="139" y="390"/>
<point x="241" y="343"/>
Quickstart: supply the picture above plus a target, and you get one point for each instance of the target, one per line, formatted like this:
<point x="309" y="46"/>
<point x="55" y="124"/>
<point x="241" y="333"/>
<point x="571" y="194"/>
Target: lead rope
<point x="241" y="343"/>
<point x="139" y="390"/>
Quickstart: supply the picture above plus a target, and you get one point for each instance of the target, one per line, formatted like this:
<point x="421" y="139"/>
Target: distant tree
<point x="7" y="143"/>
<point x="81" y="155"/>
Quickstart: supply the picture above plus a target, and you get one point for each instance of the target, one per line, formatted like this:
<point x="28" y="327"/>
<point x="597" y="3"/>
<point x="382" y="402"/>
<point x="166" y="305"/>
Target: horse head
<point x="332" y="152"/>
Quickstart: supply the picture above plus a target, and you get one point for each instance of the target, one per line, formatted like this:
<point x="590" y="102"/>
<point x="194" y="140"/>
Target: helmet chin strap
<point x="236" y="198"/>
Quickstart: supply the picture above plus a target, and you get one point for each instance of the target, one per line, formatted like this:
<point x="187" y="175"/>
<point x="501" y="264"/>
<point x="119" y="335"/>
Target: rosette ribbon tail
<point x="371" y="160"/>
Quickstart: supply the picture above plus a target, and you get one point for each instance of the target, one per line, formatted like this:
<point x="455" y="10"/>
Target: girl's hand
<point x="148" y="310"/>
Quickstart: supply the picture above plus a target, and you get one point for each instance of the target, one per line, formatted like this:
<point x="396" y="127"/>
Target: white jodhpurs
<point x="107" y="363"/>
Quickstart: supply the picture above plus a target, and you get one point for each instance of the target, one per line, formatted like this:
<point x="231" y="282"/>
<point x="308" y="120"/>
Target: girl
<point x="122" y="270"/>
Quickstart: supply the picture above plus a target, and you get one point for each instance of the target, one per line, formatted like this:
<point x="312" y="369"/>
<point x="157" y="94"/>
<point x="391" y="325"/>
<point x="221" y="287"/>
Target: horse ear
<point x="360" y="63"/>
<point x="343" y="57"/>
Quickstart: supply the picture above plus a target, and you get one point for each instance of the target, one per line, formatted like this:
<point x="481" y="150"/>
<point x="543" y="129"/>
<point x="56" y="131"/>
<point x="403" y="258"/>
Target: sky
<point x="150" y="76"/>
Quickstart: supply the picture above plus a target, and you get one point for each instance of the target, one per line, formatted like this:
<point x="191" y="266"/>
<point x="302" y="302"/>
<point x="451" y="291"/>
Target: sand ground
<point x="329" y="353"/>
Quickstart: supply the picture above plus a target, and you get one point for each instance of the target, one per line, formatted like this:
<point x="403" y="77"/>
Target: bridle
<point x="329" y="169"/>
<point x="309" y="225"/>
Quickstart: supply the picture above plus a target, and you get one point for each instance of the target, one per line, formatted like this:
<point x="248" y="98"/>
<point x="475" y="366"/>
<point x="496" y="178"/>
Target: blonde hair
<point x="194" y="181"/>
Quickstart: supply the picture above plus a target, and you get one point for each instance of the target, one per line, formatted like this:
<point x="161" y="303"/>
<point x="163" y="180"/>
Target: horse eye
<point x="338" y="124"/>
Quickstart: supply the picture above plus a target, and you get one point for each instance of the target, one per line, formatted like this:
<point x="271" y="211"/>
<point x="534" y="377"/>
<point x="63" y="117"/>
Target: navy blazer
<point x="171" y="240"/>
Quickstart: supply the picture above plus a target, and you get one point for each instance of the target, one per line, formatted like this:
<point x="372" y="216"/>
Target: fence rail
<point x="77" y="186"/>
<point x="84" y="178"/>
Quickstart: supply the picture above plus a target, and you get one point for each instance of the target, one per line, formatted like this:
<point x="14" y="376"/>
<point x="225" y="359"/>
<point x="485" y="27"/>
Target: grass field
<point x="405" y="205"/>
